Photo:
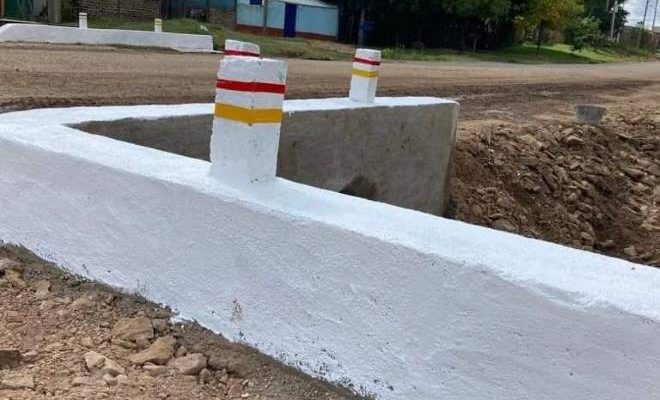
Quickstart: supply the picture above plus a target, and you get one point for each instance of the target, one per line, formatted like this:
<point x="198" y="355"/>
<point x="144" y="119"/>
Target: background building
<point x="313" y="19"/>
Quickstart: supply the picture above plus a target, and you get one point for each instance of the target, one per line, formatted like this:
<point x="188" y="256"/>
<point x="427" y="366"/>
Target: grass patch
<point x="526" y="54"/>
<point x="270" y="46"/>
<point x="323" y="50"/>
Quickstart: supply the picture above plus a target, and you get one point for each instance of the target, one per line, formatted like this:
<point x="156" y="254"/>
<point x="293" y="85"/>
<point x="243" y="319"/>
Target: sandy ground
<point x="40" y="76"/>
<point x="522" y="164"/>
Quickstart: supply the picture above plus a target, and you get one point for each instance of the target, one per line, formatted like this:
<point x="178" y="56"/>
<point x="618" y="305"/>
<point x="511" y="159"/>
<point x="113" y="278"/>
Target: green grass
<point x="526" y="54"/>
<point x="270" y="46"/>
<point x="323" y="50"/>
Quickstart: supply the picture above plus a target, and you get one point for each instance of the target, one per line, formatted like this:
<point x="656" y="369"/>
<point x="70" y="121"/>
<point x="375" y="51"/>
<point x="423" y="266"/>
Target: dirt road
<point x="40" y="76"/>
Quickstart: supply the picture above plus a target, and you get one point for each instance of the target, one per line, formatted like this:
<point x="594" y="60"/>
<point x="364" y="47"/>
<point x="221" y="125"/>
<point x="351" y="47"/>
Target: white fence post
<point x="82" y="20"/>
<point x="248" y="118"/>
<point x="364" y="83"/>
<point x="243" y="49"/>
<point x="158" y="25"/>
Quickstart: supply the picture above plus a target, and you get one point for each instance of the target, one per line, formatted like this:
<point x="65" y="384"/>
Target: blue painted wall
<point x="247" y="14"/>
<point x="321" y="21"/>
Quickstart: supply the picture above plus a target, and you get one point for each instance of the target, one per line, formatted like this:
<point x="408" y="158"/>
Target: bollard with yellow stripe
<point x="366" y="65"/>
<point x="248" y="117"/>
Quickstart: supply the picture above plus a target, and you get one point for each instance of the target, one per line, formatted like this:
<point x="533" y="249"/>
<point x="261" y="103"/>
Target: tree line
<point x="472" y="24"/>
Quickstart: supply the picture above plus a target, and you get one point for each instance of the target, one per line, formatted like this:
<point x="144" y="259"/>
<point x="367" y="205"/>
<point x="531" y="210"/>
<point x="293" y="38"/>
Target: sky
<point x="636" y="9"/>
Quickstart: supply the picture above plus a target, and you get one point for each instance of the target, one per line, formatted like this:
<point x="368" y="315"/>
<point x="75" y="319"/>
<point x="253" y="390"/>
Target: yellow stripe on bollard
<point x="248" y="115"/>
<point x="365" y="74"/>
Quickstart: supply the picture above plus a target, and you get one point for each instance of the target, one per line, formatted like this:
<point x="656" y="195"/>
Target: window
<point x="255" y="2"/>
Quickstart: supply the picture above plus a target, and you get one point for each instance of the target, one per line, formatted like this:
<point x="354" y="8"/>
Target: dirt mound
<point x="62" y="338"/>
<point x="589" y="187"/>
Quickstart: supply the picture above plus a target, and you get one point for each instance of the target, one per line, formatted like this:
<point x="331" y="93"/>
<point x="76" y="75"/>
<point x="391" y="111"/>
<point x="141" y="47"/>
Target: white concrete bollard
<point x="82" y="20"/>
<point x="364" y="83"/>
<point x="158" y="25"/>
<point x="243" y="49"/>
<point x="248" y="118"/>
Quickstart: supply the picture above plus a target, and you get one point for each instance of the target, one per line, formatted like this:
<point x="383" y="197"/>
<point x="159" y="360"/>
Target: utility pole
<point x="641" y="31"/>
<point x="265" y="22"/>
<point x="615" y="10"/>
<point x="655" y="14"/>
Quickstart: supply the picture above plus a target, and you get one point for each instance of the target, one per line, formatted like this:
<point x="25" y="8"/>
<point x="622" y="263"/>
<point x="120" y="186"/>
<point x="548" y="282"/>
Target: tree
<point x="603" y="12"/>
<point x="476" y="15"/>
<point x="583" y="32"/>
<point x="552" y="14"/>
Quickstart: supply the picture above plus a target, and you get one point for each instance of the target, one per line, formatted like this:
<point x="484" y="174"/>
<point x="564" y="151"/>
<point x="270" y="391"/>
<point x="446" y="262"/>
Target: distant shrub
<point x="583" y="32"/>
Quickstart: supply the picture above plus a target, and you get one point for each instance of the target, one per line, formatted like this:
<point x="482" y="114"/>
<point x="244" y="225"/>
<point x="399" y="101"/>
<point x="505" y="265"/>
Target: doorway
<point x="290" y="14"/>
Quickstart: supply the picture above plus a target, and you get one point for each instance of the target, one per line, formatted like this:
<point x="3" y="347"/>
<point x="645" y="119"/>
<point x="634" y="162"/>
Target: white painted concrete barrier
<point x="364" y="83"/>
<point x="158" y="25"/>
<point x="248" y="118"/>
<point x="241" y="49"/>
<point x="34" y="33"/>
<point x="82" y="20"/>
<point x="396" y="303"/>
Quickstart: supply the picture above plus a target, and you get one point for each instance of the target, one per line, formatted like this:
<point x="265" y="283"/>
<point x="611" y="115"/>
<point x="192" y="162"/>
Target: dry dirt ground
<point x="63" y="338"/>
<point x="521" y="164"/>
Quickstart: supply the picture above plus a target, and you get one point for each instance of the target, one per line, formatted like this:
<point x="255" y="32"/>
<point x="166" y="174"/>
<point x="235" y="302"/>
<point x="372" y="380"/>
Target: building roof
<point x="311" y="3"/>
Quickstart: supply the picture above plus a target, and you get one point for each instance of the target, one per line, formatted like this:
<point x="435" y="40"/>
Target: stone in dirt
<point x="87" y="342"/>
<point x="17" y="382"/>
<point x="42" y="289"/>
<point x="7" y="264"/>
<point x="160" y="325"/>
<point x="9" y="358"/>
<point x="86" y="381"/>
<point x="160" y="352"/>
<point x="14" y="317"/>
<point x="235" y="390"/>
<point x="133" y="329"/>
<point x="504" y="225"/>
<point x="84" y="304"/>
<point x="154" y="370"/>
<point x="98" y="364"/>
<point x="205" y="376"/>
<point x="31" y="356"/>
<point x="14" y="279"/>
<point x="630" y="251"/>
<point x="191" y="364"/>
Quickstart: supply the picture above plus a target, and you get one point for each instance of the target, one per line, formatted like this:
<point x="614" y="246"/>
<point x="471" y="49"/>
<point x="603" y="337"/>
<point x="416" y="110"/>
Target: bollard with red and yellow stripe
<point x="248" y="116"/>
<point x="237" y="48"/>
<point x="366" y="65"/>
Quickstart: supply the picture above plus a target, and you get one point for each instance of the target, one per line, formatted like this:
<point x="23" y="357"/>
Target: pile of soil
<point x="64" y="338"/>
<point x="590" y="187"/>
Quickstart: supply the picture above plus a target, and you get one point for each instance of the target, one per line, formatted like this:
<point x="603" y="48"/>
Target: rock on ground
<point x="17" y="381"/>
<point x="191" y="364"/>
<point x="160" y="352"/>
<point x="133" y="329"/>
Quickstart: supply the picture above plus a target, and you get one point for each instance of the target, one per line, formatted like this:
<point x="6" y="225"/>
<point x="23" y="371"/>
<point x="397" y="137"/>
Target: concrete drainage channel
<point x="389" y="301"/>
<point x="396" y="151"/>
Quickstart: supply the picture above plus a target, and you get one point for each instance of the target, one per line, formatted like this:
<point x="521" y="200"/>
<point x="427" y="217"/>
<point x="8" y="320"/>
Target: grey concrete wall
<point x="397" y="155"/>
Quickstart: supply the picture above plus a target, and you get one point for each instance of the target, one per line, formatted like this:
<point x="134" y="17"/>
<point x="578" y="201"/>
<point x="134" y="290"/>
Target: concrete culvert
<point x="590" y="113"/>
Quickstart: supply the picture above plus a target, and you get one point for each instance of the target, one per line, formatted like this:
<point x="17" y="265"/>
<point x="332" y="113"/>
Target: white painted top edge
<point x="76" y="30"/>
<point x="374" y="55"/>
<point x="77" y="115"/>
<point x="237" y="45"/>
<point x="554" y="271"/>
<point x="36" y="33"/>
